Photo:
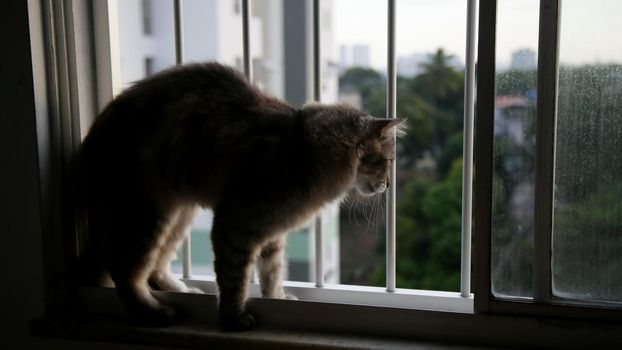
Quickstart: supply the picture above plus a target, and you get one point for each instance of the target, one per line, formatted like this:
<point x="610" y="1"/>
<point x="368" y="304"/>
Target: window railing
<point x="390" y="113"/>
<point x="390" y="234"/>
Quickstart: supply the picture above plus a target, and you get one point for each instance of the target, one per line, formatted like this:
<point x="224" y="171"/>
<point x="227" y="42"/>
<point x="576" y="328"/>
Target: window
<point x="540" y="252"/>
<point x="148" y="66"/>
<point x="587" y="217"/>
<point x="147" y="16"/>
<point x="515" y="149"/>
<point x="584" y="232"/>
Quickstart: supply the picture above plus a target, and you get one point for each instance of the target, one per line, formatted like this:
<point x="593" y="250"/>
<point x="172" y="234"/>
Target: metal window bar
<point x="247" y="58"/>
<point x="179" y="59"/>
<point x="246" y="41"/>
<point x="546" y="110"/>
<point x="317" y="96"/>
<point x="484" y="128"/>
<point x="391" y="106"/>
<point x="467" y="170"/>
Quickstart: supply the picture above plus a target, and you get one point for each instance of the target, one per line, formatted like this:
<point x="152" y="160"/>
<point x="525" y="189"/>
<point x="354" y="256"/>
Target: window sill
<point x="308" y="324"/>
<point x="120" y="329"/>
<point x="413" y="299"/>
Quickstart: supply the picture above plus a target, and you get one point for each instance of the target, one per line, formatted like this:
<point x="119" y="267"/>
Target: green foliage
<point x="587" y="237"/>
<point x="451" y="152"/>
<point x="590" y="106"/>
<point x="428" y="233"/>
<point x="588" y="216"/>
<point x="587" y="244"/>
<point x="515" y="82"/>
<point x="588" y="173"/>
<point x="429" y="204"/>
<point x="369" y="83"/>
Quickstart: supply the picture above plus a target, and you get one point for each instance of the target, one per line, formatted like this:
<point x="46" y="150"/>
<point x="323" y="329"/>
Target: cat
<point x="200" y="135"/>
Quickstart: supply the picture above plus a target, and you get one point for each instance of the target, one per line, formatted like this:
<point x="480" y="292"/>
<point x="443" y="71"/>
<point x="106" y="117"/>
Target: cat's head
<point x="376" y="152"/>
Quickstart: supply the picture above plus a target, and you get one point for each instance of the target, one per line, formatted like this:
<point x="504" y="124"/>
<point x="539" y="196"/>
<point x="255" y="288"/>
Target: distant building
<point x="345" y="57"/>
<point x="523" y="59"/>
<point x="511" y="116"/>
<point x="358" y="55"/>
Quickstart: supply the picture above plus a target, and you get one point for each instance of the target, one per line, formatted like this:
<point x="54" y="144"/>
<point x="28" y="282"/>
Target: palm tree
<point x="439" y="80"/>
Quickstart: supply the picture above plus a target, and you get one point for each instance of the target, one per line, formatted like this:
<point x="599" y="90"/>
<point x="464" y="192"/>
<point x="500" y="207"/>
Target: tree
<point x="366" y="81"/>
<point x="439" y="82"/>
<point x="515" y="82"/>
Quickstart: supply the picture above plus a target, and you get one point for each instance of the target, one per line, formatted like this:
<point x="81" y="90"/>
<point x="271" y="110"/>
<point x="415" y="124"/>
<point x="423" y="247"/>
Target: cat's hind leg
<point x="133" y="290"/>
<point x="272" y="269"/>
<point x="181" y="220"/>
<point x="234" y="255"/>
<point x="136" y="237"/>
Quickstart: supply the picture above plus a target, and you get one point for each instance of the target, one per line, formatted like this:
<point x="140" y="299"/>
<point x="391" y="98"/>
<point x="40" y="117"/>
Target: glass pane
<point x="514" y="145"/>
<point x="431" y="41"/>
<point x="587" y="234"/>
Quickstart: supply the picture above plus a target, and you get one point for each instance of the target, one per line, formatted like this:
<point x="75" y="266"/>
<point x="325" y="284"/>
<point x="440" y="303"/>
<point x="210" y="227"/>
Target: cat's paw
<point x="239" y="323"/>
<point x="195" y="290"/>
<point x="289" y="296"/>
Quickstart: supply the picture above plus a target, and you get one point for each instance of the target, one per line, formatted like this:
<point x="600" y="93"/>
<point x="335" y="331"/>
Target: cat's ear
<point x="381" y="127"/>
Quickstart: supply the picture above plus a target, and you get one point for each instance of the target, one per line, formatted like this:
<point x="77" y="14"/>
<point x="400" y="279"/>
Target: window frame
<point x="543" y="304"/>
<point x="73" y="100"/>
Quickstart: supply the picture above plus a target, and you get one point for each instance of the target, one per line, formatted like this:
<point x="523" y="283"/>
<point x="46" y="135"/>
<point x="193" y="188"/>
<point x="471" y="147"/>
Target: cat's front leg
<point x="272" y="269"/>
<point x="233" y="260"/>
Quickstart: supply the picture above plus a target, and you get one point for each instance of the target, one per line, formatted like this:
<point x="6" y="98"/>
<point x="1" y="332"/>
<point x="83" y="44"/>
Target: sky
<point x="590" y="29"/>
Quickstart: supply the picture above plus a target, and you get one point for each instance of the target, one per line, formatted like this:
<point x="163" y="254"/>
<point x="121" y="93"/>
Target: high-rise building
<point x="358" y="55"/>
<point x="361" y="56"/>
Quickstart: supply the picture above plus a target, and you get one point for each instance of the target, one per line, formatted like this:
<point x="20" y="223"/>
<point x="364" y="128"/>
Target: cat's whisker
<point x="372" y="214"/>
<point x="377" y="208"/>
<point x="356" y="203"/>
<point x="381" y="209"/>
<point x="350" y="208"/>
<point x="365" y="208"/>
